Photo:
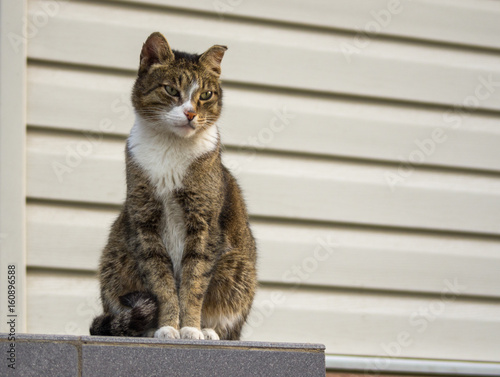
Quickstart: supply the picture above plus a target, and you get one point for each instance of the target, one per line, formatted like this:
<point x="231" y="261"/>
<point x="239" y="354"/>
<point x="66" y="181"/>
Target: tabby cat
<point x="180" y="261"/>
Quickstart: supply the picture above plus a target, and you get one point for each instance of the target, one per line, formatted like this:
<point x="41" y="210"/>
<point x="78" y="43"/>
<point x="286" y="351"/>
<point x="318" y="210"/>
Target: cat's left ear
<point x="155" y="50"/>
<point x="212" y="58"/>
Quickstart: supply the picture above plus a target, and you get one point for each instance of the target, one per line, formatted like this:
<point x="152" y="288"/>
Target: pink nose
<point x="190" y="114"/>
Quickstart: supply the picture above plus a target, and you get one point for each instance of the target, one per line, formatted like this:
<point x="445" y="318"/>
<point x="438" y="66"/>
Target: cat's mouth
<point x="185" y="130"/>
<point x="187" y="125"/>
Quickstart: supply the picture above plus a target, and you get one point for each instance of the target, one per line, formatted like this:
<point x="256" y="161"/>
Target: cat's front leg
<point x="154" y="265"/>
<point x="156" y="271"/>
<point x="197" y="267"/>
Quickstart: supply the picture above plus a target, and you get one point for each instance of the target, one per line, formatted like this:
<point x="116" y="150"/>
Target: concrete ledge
<point x="88" y="356"/>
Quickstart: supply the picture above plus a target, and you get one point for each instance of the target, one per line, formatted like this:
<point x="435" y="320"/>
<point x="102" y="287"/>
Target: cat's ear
<point x="155" y="50"/>
<point x="212" y="58"/>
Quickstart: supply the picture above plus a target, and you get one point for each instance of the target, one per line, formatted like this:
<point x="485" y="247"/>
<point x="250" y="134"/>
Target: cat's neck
<point x="164" y="156"/>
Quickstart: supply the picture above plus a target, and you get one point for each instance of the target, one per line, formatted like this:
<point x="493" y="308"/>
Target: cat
<point x="180" y="261"/>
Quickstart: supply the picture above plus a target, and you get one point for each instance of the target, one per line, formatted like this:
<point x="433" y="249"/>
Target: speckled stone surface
<point x="103" y="360"/>
<point x="53" y="355"/>
<point x="40" y="356"/>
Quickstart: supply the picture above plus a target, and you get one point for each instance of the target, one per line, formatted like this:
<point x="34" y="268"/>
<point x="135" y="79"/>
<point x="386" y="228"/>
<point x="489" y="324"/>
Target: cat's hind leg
<point x="229" y="297"/>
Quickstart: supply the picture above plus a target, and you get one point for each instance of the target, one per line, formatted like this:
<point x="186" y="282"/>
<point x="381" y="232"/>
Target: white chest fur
<point x="165" y="158"/>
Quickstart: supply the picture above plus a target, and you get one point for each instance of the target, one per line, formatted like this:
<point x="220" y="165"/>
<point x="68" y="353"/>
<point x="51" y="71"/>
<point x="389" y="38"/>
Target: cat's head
<point x="176" y="91"/>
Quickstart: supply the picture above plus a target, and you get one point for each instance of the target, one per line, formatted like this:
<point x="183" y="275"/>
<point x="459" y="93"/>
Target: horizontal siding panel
<point x="72" y="237"/>
<point x="376" y="259"/>
<point x="68" y="99"/>
<point x="296" y="188"/>
<point x="271" y="56"/>
<point x="65" y="237"/>
<point x="464" y="22"/>
<point x="363" y="324"/>
<point x="61" y="303"/>
<point x="70" y="301"/>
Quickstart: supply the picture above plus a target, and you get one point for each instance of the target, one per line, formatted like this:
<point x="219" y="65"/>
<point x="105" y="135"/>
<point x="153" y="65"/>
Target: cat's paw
<point x="191" y="333"/>
<point x="210" y="334"/>
<point x="167" y="332"/>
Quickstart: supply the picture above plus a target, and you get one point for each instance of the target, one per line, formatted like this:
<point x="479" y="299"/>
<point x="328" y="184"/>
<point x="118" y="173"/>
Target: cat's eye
<point x="172" y="91"/>
<point x="206" y="95"/>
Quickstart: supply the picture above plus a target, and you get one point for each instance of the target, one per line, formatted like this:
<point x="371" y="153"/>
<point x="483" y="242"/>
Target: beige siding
<point x="467" y="22"/>
<point x="353" y="258"/>
<point x="352" y="319"/>
<point x="78" y="100"/>
<point x="301" y="59"/>
<point x="315" y="136"/>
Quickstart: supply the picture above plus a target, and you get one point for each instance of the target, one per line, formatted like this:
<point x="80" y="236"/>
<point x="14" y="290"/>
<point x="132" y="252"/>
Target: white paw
<point x="210" y="334"/>
<point x="167" y="332"/>
<point x="191" y="333"/>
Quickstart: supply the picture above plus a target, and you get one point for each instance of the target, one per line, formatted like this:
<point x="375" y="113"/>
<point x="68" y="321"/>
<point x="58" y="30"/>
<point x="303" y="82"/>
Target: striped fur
<point x="180" y="259"/>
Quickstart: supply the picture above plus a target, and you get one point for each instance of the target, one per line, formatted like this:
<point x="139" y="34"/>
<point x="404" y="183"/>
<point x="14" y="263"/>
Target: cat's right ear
<point x="155" y="50"/>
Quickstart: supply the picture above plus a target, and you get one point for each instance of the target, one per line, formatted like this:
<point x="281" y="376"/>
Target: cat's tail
<point x="139" y="314"/>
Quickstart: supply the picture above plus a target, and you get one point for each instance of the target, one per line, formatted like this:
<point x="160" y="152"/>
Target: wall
<point x="370" y="162"/>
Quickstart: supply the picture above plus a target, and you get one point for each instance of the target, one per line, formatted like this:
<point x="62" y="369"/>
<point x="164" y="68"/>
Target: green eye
<point x="206" y="95"/>
<point x="172" y="91"/>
